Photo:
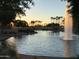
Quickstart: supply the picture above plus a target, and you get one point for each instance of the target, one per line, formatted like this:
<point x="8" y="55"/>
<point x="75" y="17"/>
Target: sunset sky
<point x="44" y="9"/>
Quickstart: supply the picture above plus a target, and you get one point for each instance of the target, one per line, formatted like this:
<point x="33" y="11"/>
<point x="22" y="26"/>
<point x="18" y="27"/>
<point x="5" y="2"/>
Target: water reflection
<point x="70" y="48"/>
<point x="44" y="43"/>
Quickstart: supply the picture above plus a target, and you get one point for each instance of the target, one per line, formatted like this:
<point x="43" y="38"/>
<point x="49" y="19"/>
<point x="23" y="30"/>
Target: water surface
<point x="44" y="43"/>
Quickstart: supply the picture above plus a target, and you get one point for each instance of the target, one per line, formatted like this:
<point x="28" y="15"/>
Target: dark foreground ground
<point x="41" y="57"/>
<point x="21" y="56"/>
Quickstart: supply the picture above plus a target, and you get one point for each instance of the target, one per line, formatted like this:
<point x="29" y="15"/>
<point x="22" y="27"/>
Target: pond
<point x="44" y="43"/>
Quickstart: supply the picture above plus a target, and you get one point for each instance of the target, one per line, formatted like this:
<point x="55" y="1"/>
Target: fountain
<point x="68" y="35"/>
<point x="68" y="23"/>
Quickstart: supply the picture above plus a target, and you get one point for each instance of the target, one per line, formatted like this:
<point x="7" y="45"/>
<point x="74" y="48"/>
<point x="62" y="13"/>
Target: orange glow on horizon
<point x="31" y="18"/>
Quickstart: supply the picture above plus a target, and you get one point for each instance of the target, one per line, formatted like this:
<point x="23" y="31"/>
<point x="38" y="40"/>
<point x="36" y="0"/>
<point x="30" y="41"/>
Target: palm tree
<point x="58" y="19"/>
<point x="52" y="18"/>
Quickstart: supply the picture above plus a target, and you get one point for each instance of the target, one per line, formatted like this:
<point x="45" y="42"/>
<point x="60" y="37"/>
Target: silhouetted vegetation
<point x="56" y="18"/>
<point x="32" y="22"/>
<point x="20" y="23"/>
<point x="26" y="31"/>
<point x="9" y="9"/>
<point x="75" y="11"/>
<point x="55" y="27"/>
<point x="36" y="21"/>
<point x="74" y="6"/>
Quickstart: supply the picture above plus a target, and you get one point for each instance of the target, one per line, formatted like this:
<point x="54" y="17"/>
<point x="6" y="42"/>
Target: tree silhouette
<point x="52" y="18"/>
<point x="9" y="9"/>
<point x="75" y="11"/>
<point x="56" y="18"/>
<point x="74" y="6"/>
<point x="20" y="23"/>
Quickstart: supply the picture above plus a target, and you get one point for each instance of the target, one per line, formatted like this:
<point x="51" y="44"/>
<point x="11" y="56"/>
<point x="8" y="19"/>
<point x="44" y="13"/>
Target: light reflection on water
<point x="44" y="43"/>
